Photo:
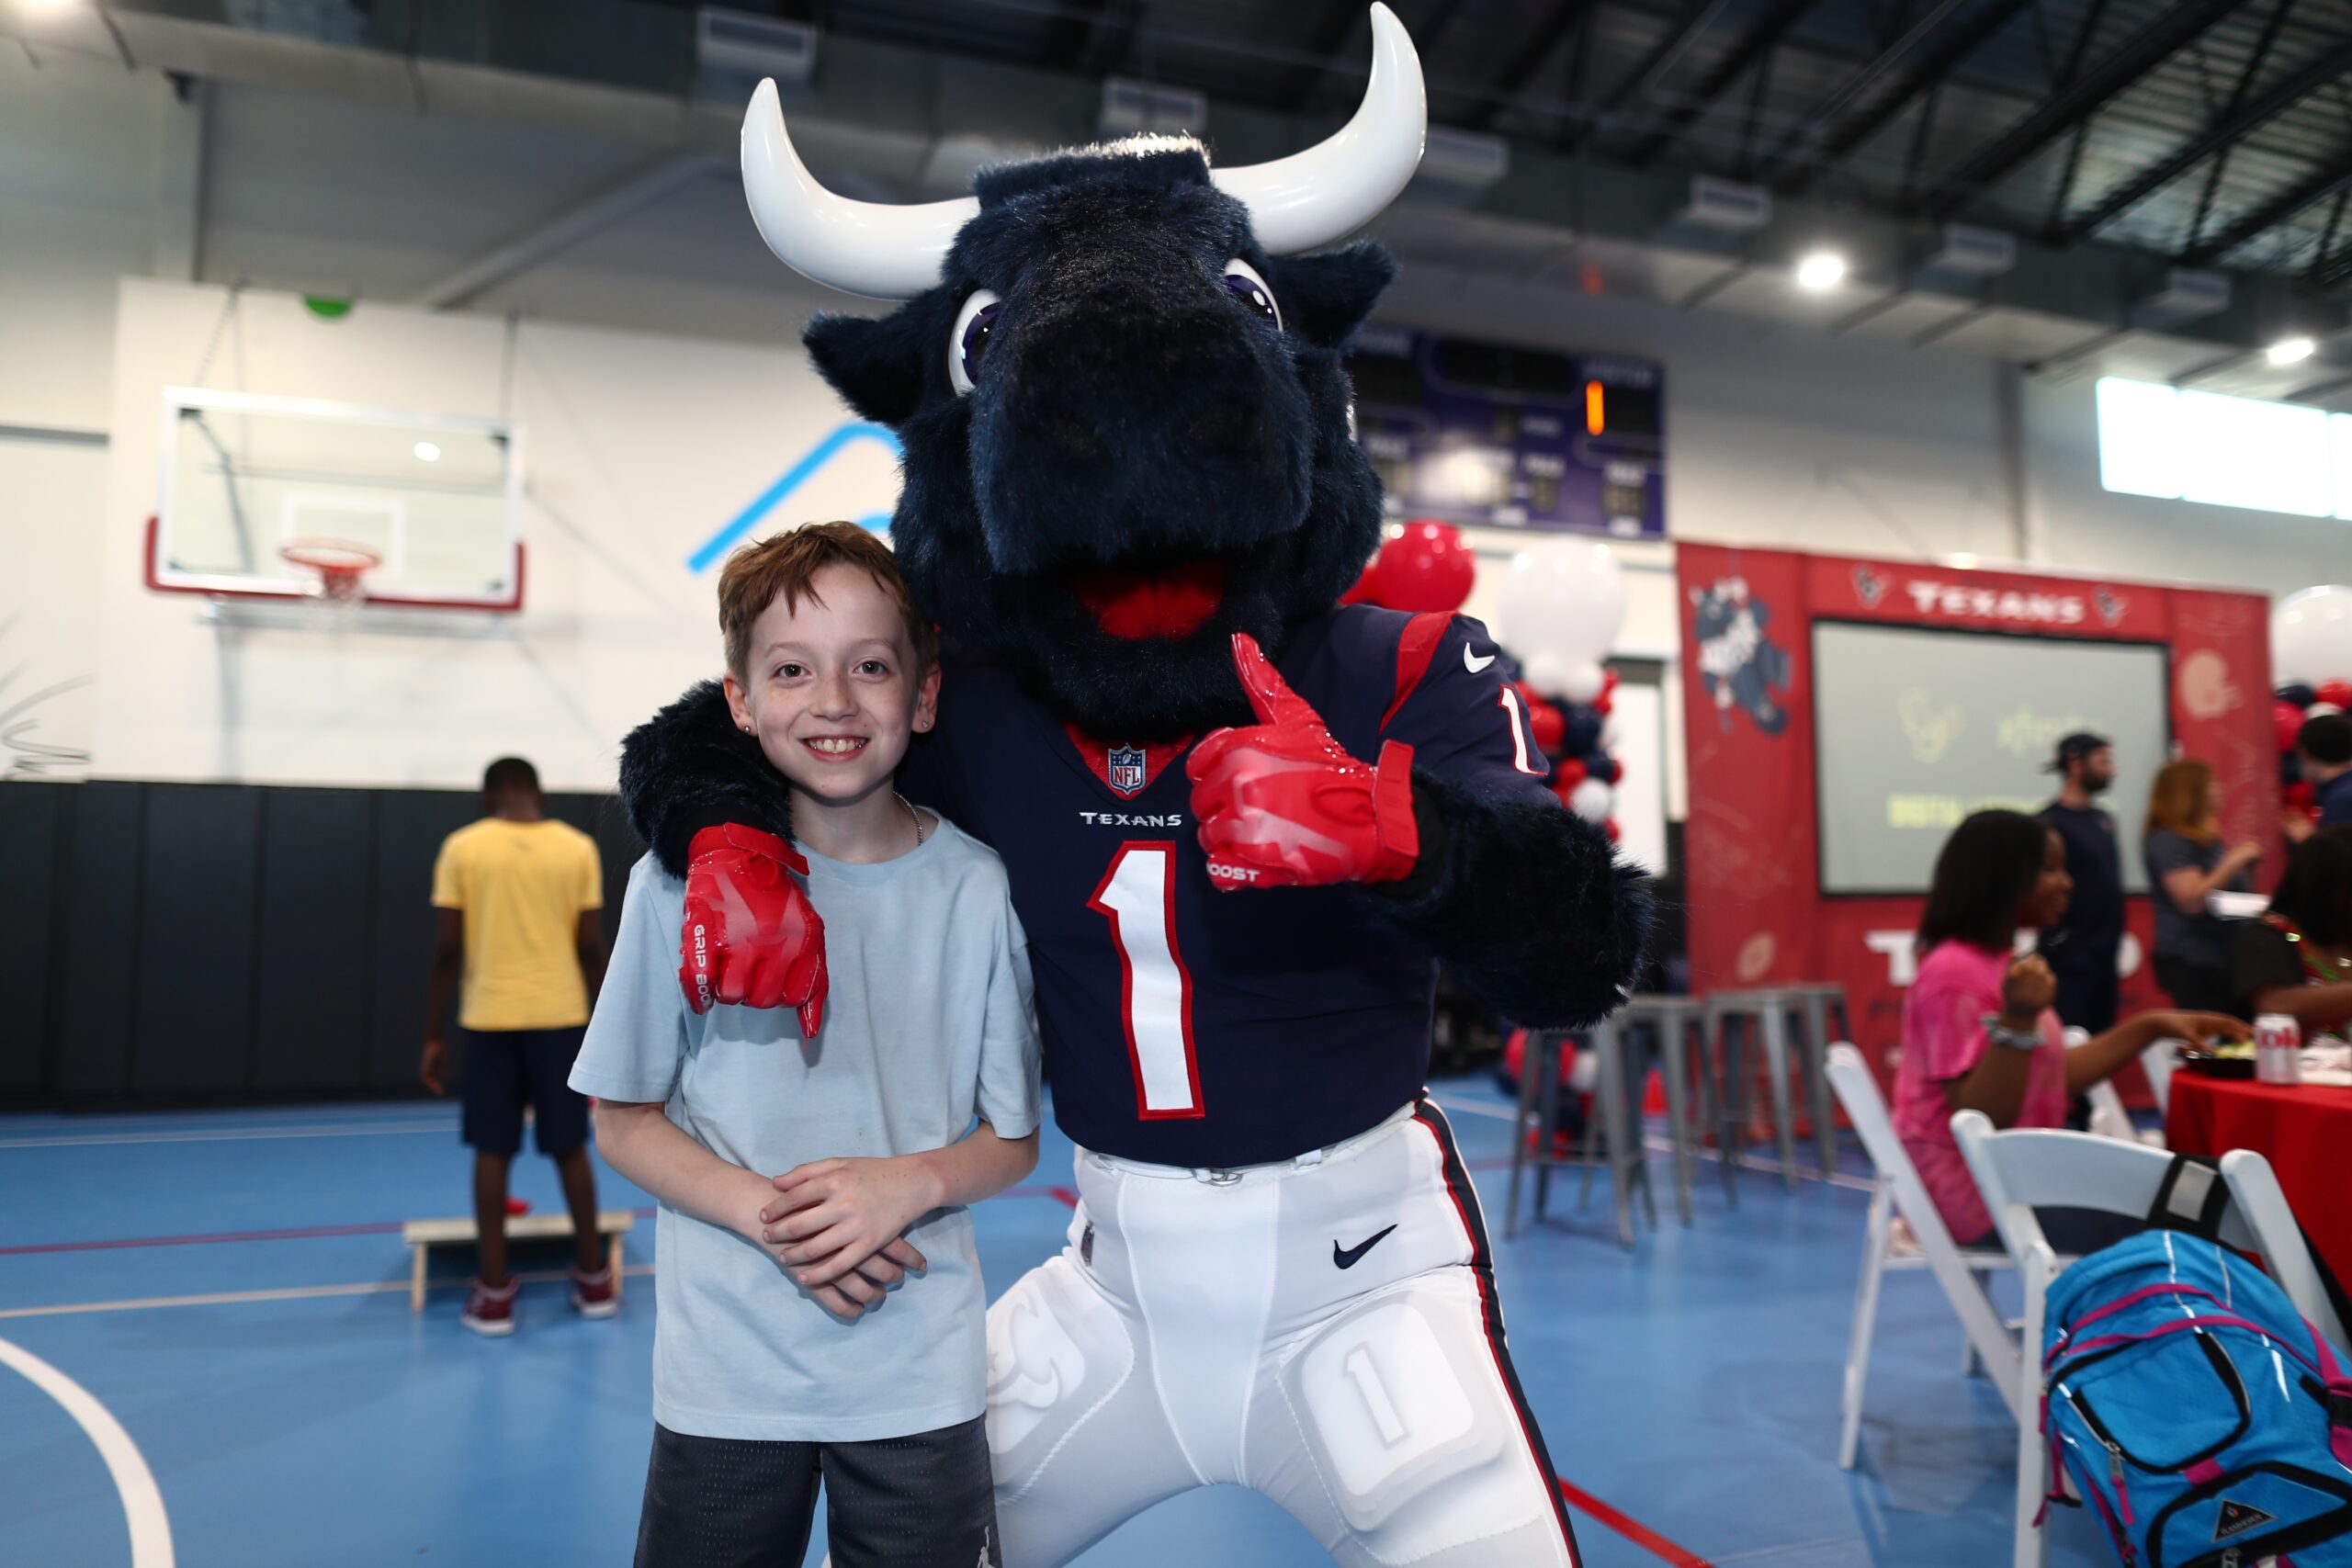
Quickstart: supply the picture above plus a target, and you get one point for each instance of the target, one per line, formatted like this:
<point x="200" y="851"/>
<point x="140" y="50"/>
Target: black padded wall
<point x="171" y="943"/>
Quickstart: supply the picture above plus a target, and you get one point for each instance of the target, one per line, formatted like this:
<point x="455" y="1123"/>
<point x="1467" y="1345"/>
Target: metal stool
<point x="1538" y="1099"/>
<point x="1665" y="1027"/>
<point x="1730" y="1017"/>
<point x="1539" y="1102"/>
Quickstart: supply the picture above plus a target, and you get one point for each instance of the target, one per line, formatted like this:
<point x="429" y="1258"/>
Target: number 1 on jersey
<point x="1137" y="894"/>
<point x="1519" y="752"/>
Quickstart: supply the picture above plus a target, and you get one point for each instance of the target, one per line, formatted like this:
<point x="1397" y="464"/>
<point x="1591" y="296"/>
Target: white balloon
<point x="2311" y="636"/>
<point x="1581" y="683"/>
<point x="1609" y="736"/>
<point x="2319" y="710"/>
<point x="1564" y="597"/>
<point x="1547" y="673"/>
<point x="1592" y="800"/>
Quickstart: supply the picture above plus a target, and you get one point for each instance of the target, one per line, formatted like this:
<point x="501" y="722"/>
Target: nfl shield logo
<point x="1128" y="771"/>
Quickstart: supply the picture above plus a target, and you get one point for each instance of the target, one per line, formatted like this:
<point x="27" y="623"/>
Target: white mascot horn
<point x="1296" y="203"/>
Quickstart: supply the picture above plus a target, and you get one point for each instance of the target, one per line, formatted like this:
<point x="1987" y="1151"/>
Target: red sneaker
<point x="595" y="1295"/>
<point x="489" y="1312"/>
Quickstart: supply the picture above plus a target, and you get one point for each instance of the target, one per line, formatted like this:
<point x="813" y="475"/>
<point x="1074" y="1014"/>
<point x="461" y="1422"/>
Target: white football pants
<point x="1324" y="1331"/>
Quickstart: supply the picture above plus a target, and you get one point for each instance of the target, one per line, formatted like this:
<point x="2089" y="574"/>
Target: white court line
<point x="289" y="1294"/>
<point x="1666" y="1146"/>
<point x="234" y="1134"/>
<point x="1469" y="1108"/>
<point x="143" y="1501"/>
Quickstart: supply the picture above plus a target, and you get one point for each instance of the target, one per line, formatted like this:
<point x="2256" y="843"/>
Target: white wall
<point x="640" y="444"/>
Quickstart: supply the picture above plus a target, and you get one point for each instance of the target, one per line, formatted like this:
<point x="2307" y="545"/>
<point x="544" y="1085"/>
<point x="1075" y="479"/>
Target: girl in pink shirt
<point x="1999" y="872"/>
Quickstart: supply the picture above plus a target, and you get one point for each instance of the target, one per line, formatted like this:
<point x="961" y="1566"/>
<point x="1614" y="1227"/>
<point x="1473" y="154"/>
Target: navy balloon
<point x="2302" y="695"/>
<point x="1581" y="733"/>
<point x="1602" y="766"/>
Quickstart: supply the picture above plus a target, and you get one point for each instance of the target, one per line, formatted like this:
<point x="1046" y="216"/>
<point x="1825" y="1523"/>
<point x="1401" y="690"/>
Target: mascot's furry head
<point x="1120" y="393"/>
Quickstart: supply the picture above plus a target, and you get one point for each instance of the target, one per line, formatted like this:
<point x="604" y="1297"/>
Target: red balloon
<point x="1366" y="588"/>
<point x="1428" y="566"/>
<point x="1567" y="775"/>
<point x="2339" y="692"/>
<point x="1545" y="725"/>
<point x="2285" y="721"/>
<point x="2297" y="795"/>
<point x="1610" y="828"/>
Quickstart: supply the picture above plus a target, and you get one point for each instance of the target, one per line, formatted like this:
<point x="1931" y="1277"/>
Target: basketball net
<point x="341" y="590"/>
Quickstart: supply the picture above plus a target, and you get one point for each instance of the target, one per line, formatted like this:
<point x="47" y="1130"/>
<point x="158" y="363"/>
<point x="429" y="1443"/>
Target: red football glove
<point x="751" y="934"/>
<point x="1281" y="803"/>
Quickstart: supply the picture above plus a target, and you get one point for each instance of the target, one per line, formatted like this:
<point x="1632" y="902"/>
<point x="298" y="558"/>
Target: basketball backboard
<point x="436" y="498"/>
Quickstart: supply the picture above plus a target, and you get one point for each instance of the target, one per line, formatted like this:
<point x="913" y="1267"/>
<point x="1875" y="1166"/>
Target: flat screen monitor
<point x="1915" y="728"/>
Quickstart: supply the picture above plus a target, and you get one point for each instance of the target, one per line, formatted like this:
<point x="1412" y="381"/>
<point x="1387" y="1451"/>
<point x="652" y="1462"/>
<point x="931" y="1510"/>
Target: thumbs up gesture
<point x="1282" y="803"/>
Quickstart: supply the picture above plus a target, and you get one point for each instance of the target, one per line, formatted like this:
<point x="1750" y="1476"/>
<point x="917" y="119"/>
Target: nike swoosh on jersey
<point x="1347" y="1258"/>
<point x="1472" y="661"/>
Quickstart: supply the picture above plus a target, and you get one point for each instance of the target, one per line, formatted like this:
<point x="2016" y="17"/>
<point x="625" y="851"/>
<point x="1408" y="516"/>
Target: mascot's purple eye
<point x="1241" y="281"/>
<point x="975" y="324"/>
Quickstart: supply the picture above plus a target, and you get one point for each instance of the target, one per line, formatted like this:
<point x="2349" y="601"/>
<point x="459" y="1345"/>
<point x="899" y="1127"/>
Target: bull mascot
<point x="1238" y="822"/>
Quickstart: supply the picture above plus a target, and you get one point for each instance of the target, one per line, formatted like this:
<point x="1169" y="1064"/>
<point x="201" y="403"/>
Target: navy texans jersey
<point x="1193" y="1027"/>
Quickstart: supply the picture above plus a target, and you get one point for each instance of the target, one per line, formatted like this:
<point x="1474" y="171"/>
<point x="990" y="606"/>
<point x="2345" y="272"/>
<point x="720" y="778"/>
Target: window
<point x="2179" y="446"/>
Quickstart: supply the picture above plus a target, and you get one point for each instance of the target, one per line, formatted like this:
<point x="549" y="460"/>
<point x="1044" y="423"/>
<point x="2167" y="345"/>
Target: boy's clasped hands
<point x="838" y="1228"/>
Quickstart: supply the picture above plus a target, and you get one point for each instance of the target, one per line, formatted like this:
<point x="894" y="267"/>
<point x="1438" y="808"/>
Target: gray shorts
<point x="913" y="1502"/>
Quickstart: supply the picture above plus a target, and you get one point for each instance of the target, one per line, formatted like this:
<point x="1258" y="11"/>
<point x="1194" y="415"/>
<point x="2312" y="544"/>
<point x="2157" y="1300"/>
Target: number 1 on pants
<point x="1137" y="894"/>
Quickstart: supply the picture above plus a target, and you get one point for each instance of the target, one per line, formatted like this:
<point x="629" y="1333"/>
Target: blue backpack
<point x="2196" y="1411"/>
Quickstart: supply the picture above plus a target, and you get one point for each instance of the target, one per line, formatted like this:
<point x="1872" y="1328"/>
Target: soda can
<point x="2278" y="1049"/>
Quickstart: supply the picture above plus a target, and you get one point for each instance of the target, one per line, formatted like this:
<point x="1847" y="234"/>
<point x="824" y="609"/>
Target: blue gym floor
<point x="231" y="1287"/>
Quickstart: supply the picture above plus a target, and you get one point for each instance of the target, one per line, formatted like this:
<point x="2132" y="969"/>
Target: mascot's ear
<point x="1326" y="297"/>
<point x="876" y="365"/>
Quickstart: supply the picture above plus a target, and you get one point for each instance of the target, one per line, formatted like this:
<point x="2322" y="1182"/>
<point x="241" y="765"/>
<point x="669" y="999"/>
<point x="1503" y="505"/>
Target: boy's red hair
<point x="755" y="575"/>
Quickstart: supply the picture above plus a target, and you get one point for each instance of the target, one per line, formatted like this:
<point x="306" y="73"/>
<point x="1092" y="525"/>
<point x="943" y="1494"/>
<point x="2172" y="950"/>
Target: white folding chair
<point x="1960" y="1270"/>
<point x="2254" y="1187"/>
<point x="2030" y="1167"/>
<point x="2108" y="1119"/>
<point x="2158" y="1061"/>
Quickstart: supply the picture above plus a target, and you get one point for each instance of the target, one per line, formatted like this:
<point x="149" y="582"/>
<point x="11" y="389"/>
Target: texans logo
<point x="1868" y="586"/>
<point x="2111" y="607"/>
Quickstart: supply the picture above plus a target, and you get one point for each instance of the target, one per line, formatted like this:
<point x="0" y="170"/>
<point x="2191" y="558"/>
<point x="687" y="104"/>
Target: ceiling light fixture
<point x="1821" y="271"/>
<point x="427" y="452"/>
<point x="2290" y="351"/>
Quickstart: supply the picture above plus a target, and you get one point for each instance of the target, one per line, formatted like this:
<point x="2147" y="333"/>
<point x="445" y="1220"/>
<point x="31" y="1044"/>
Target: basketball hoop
<point x="341" y="567"/>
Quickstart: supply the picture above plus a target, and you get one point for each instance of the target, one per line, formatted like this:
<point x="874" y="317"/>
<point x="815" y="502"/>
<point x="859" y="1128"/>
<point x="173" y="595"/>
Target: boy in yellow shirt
<point x="518" y="895"/>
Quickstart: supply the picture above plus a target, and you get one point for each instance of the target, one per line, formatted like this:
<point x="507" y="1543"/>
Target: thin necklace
<point x="913" y="813"/>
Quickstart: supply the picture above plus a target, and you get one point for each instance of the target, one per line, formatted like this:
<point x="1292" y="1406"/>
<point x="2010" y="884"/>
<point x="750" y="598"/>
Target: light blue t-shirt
<point x="930" y="1022"/>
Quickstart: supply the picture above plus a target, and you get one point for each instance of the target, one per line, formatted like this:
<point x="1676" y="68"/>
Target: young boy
<point x="771" y="1366"/>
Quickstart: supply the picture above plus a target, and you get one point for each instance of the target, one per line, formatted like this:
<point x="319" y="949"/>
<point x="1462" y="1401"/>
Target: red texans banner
<point x="1763" y="904"/>
<point x="1980" y="600"/>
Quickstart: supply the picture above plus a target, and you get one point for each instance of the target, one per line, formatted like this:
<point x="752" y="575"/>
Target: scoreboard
<point x="1485" y="433"/>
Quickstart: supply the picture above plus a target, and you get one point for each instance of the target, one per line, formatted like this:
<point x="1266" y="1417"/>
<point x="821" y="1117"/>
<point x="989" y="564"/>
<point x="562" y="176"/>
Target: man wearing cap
<point x="2081" y="945"/>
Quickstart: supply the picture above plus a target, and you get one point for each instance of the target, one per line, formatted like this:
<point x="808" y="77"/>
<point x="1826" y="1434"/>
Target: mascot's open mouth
<point x="1163" y="603"/>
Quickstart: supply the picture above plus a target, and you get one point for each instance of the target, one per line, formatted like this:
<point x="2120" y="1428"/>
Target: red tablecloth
<point x="2303" y="1130"/>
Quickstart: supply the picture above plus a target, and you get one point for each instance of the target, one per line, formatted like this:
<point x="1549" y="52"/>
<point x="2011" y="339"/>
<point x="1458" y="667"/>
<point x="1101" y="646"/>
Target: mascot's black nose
<point x="1101" y="386"/>
<point x="1137" y="410"/>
